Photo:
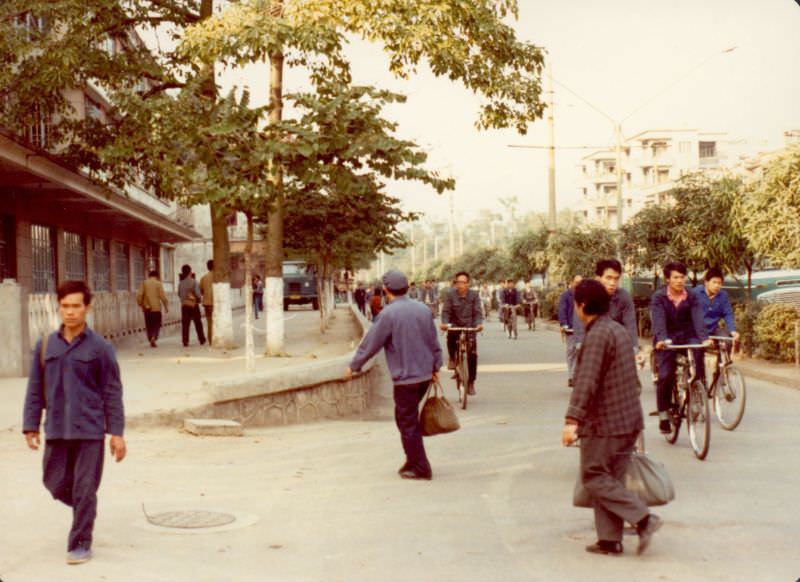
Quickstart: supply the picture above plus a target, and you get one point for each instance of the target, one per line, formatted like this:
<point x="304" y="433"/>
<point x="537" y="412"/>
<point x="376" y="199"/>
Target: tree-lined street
<point x="327" y="503"/>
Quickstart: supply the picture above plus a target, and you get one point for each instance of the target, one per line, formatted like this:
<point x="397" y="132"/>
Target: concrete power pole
<point x="551" y="155"/>
<point x="413" y="252"/>
<point x="618" y="131"/>
<point x="451" y="227"/>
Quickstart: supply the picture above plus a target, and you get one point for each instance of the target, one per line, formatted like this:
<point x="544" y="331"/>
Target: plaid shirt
<point x="605" y="400"/>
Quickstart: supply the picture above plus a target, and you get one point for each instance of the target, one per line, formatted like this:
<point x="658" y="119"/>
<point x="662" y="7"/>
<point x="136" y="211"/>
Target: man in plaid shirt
<point x="606" y="413"/>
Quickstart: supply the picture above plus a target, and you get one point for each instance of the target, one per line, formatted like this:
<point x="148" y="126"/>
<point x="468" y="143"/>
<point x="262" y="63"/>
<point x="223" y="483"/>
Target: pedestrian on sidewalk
<point x="567" y="320"/>
<point x="360" y="295"/>
<point x="189" y="293"/>
<point x="75" y="377"/>
<point x="258" y="295"/>
<point x="605" y="412"/>
<point x="207" y="290"/>
<point x="150" y="297"/>
<point x="405" y="330"/>
<point x="376" y="303"/>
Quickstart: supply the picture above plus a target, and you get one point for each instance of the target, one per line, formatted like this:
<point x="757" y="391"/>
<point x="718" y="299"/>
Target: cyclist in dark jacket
<point x="462" y="308"/>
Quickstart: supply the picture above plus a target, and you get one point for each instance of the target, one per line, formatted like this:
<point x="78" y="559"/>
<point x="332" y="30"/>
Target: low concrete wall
<point x="303" y="393"/>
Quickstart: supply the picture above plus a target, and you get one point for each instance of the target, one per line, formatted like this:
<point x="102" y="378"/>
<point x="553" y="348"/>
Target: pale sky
<point x="616" y="54"/>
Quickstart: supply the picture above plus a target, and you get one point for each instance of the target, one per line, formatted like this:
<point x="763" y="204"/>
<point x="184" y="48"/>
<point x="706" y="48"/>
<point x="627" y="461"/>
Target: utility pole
<point x="435" y="247"/>
<point x="618" y="131"/>
<point x="424" y="251"/>
<point x="551" y="155"/>
<point x="450" y="225"/>
<point x="413" y="252"/>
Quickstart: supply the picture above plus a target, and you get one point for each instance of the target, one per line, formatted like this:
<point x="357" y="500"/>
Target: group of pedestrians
<point x="192" y="294"/>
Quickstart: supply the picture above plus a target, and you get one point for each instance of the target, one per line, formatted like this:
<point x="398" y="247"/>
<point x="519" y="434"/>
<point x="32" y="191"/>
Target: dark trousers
<point x="666" y="365"/>
<point x="189" y="315"/>
<point x="472" y="352"/>
<point x="258" y="303"/>
<point x="603" y="464"/>
<point x="209" y="309"/>
<point x="362" y="307"/>
<point x="72" y="472"/>
<point x="406" y="414"/>
<point x="152" y="321"/>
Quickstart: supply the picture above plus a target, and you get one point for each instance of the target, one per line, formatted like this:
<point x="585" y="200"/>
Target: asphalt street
<point x="323" y="502"/>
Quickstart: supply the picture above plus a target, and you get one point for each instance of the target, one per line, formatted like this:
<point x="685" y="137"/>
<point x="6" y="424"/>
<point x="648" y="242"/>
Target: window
<point x="34" y="26"/>
<point x="151" y="258"/>
<point x="44" y="258"/>
<point x="663" y="176"/>
<point x="38" y="132"/>
<point x="139" y="260"/>
<point x="101" y="260"/>
<point x="585" y="192"/>
<point x="685" y="147"/>
<point x="93" y="109"/>
<point x="75" y="256"/>
<point x="167" y="267"/>
<point x="708" y="149"/>
<point x="121" y="266"/>
<point x="7" y="248"/>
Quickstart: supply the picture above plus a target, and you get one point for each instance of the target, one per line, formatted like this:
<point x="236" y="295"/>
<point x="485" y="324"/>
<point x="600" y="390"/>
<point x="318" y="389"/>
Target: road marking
<point x="513" y="368"/>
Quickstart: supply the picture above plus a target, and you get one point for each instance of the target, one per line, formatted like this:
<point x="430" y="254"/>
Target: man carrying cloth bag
<point x="405" y="329"/>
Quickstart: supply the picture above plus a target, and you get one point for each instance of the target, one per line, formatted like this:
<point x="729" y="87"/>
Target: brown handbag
<point x="437" y="416"/>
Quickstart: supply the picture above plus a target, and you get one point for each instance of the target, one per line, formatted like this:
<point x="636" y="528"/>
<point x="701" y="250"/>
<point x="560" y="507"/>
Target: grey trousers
<point x="603" y="464"/>
<point x="572" y="355"/>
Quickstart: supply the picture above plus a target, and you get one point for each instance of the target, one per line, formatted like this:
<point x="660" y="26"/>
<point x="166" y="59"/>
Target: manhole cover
<point x="190" y="519"/>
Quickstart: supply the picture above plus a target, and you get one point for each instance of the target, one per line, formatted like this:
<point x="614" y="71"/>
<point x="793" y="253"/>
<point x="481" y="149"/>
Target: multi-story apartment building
<point x="651" y="163"/>
<point x="57" y="223"/>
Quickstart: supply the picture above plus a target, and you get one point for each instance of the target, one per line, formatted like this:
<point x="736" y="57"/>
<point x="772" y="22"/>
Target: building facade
<point x="652" y="161"/>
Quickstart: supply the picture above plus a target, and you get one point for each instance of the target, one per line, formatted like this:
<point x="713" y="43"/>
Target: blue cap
<point x="395" y="280"/>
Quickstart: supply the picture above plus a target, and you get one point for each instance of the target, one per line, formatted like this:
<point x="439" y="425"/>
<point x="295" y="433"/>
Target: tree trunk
<point x="749" y="283"/>
<point x="249" y="346"/>
<point x="274" y="252"/>
<point x="223" y="314"/>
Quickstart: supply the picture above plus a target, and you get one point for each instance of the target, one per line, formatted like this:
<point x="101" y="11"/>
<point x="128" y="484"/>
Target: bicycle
<point x="510" y="320"/>
<point x="530" y="315"/>
<point x="689" y="401"/>
<point x="462" y="367"/>
<point x="727" y="388"/>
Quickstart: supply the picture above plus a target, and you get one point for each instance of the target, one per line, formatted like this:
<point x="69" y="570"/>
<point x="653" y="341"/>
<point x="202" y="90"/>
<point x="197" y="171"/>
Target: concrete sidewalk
<point x="172" y="377"/>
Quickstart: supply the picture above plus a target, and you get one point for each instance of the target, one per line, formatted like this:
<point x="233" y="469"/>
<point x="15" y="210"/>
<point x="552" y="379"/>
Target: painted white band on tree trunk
<point x="273" y="294"/>
<point x="223" y="316"/>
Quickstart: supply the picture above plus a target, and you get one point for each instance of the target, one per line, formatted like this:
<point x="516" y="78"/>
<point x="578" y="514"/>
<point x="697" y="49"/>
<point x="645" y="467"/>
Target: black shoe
<point x="451" y="364"/>
<point x="665" y="426"/>
<point x="651" y="525"/>
<point x="412" y="474"/>
<point x="571" y="383"/>
<point x="606" y="548"/>
<point x="471" y="389"/>
<point x="152" y="343"/>
<point x="405" y="467"/>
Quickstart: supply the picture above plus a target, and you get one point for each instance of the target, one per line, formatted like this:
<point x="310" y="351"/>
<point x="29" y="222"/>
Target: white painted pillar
<point x="273" y="295"/>
<point x="223" y="316"/>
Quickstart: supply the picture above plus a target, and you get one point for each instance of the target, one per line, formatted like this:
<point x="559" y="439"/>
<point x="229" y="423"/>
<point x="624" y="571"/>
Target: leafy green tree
<point x="528" y="254"/>
<point x="575" y="252"/>
<point x="648" y="241"/>
<point x="708" y="230"/>
<point x="769" y="213"/>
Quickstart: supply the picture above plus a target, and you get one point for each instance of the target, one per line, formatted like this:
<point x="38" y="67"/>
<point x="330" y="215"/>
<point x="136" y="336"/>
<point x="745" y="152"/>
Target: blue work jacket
<point x="84" y="391"/>
<point x="716" y="309"/>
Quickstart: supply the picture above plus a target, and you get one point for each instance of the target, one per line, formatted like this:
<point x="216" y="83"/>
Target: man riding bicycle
<point x="716" y="307"/>
<point x="530" y="299"/>
<point x="462" y="308"/>
<point x="510" y="298"/>
<point x="677" y="318"/>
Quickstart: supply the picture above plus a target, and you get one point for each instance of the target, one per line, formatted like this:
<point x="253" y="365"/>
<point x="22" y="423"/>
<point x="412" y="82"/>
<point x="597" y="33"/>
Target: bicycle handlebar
<point x="684" y="346"/>
<point x="462" y="329"/>
<point x="724" y="338"/>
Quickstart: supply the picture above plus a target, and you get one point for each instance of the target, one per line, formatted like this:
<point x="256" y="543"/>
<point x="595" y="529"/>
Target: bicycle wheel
<point x="697" y="419"/>
<point x="675" y="418"/>
<point x="462" y="372"/>
<point x="729" y="398"/>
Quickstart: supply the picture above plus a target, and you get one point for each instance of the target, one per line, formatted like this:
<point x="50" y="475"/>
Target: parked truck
<point x="299" y="285"/>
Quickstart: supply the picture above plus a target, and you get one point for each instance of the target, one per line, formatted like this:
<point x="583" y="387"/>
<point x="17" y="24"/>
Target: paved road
<point x="329" y="506"/>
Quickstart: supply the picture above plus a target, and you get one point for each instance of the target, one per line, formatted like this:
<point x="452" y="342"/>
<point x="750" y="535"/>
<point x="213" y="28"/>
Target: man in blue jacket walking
<point x="406" y="331"/>
<point x="77" y="381"/>
<point x="571" y="326"/>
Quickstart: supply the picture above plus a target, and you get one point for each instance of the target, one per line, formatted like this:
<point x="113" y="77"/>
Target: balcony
<point x="709" y="162"/>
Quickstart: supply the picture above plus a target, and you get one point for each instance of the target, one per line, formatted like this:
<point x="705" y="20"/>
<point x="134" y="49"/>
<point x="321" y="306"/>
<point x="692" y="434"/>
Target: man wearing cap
<point x="405" y="329"/>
